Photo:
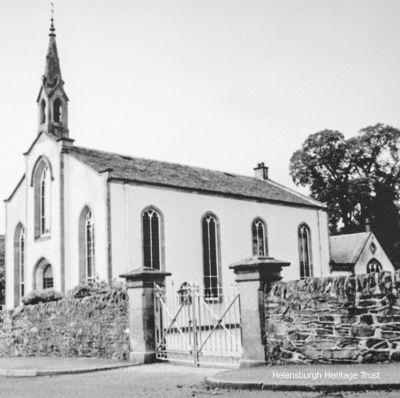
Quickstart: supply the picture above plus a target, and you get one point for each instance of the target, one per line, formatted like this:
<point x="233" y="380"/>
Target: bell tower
<point x="52" y="100"/>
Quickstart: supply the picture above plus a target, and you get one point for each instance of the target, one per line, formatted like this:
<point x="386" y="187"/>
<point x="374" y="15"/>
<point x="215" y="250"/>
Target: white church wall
<point x="182" y="213"/>
<point x="16" y="213"/>
<point x="84" y="187"/>
<point x="47" y="247"/>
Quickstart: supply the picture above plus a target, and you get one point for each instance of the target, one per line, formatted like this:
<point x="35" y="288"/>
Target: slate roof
<point x="154" y="172"/>
<point x="346" y="249"/>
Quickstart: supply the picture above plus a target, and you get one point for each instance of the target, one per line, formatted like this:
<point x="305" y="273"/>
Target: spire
<point x="52" y="100"/>
<point x="52" y="74"/>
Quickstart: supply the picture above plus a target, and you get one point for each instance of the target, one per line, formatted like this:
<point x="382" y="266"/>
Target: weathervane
<point x="52" y="29"/>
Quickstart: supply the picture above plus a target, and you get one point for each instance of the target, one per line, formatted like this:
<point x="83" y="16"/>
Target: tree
<point x="358" y="179"/>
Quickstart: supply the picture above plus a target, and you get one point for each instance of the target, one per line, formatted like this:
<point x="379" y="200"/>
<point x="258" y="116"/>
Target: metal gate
<point x="195" y="328"/>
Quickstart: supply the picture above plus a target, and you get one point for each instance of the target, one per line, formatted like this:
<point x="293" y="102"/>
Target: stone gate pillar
<point x="140" y="288"/>
<point x="252" y="274"/>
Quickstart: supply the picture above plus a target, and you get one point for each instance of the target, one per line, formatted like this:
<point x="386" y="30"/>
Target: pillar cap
<point x="257" y="262"/>
<point x="145" y="273"/>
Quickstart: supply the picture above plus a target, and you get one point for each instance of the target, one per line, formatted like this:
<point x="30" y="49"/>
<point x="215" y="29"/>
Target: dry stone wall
<point x="333" y="319"/>
<point x="95" y="326"/>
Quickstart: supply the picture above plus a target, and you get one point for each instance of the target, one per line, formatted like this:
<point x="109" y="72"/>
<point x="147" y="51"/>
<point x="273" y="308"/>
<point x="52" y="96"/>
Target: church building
<point x="83" y="214"/>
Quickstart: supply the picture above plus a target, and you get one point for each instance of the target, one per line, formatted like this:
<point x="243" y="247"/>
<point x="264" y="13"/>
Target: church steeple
<point x="52" y="99"/>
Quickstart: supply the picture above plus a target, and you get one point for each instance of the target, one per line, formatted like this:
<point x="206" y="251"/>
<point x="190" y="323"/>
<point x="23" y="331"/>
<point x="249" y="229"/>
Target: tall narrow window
<point x="41" y="181"/>
<point x="42" y="111"/>
<point x="19" y="264"/>
<point x="210" y="256"/>
<point x="304" y="237"/>
<point x="21" y="261"/>
<point x="151" y="239"/>
<point x="89" y="246"/>
<point x="57" y="110"/>
<point x="259" y="238"/>
<point x="44" y="200"/>
<point x="48" y="277"/>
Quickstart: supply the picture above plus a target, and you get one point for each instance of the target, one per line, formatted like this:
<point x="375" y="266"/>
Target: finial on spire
<point x="52" y="28"/>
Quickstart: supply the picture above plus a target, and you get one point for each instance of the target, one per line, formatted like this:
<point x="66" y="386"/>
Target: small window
<point x="151" y="239"/>
<point x="259" y="238"/>
<point x="57" y="110"/>
<point x="304" y="238"/>
<point x="374" y="266"/>
<point x="48" y="277"/>
<point x="210" y="256"/>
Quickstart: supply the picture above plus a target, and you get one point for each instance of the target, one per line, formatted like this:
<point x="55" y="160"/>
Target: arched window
<point x="89" y="245"/>
<point x="44" y="199"/>
<point x="22" y="261"/>
<point x="41" y="182"/>
<point x="57" y="110"/>
<point x="374" y="266"/>
<point x="259" y="238"/>
<point x="19" y="264"/>
<point x="42" y="111"/>
<point x="151" y="238"/>
<point x="43" y="275"/>
<point x="211" y="264"/>
<point x="87" y="268"/>
<point x="304" y="237"/>
<point x="48" y="277"/>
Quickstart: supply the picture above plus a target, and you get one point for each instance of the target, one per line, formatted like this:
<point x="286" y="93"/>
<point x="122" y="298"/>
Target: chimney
<point x="367" y="225"/>
<point x="261" y="171"/>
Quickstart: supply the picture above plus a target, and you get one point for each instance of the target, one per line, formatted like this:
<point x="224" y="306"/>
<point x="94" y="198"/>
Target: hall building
<point x="83" y="214"/>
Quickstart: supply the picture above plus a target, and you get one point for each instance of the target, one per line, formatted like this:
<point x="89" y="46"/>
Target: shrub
<point x="92" y="288"/>
<point x="41" y="296"/>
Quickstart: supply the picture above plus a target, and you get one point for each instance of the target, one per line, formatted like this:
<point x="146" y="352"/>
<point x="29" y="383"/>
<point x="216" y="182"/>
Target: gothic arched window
<point x="48" y="277"/>
<point x="21" y="259"/>
<point x="42" y="275"/>
<point x="57" y="110"/>
<point x="44" y="200"/>
<point x="87" y="264"/>
<point x="211" y="261"/>
<point x="259" y="237"/>
<point x="374" y="266"/>
<point x="151" y="223"/>
<point x="89" y="245"/>
<point x="304" y="237"/>
<point x="41" y="182"/>
<point x="19" y="264"/>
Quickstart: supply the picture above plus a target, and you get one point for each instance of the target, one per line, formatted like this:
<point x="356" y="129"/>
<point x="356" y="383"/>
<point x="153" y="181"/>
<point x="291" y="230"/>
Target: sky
<point x="221" y="84"/>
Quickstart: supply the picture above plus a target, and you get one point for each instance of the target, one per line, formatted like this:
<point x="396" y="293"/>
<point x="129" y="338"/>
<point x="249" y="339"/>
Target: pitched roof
<point x="346" y="249"/>
<point x="190" y="178"/>
<point x="15" y="189"/>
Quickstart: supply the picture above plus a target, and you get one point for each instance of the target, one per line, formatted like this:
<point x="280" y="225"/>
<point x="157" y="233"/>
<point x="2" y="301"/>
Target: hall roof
<point x="346" y="249"/>
<point x="189" y="178"/>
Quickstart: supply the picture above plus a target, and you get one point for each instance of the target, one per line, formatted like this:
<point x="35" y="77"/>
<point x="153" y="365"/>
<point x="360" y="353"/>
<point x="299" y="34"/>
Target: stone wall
<point x="333" y="319"/>
<point x="95" y="326"/>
